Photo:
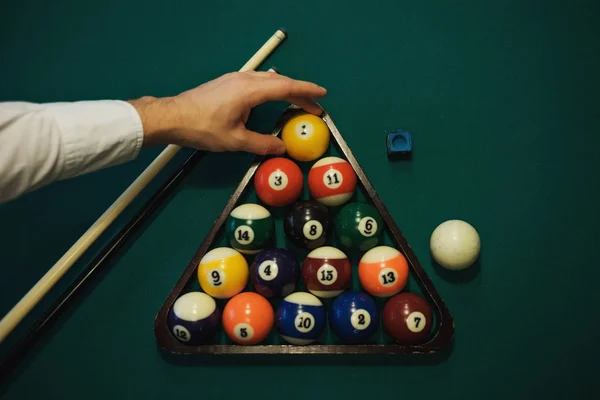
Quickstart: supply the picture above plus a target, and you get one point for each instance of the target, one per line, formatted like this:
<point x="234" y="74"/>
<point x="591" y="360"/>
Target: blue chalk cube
<point x="399" y="142"/>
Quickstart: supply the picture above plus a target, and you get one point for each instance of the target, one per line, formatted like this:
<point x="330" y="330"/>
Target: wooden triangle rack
<point x="443" y="330"/>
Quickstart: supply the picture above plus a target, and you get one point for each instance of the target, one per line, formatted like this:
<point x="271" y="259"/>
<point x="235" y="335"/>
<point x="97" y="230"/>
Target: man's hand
<point x="213" y="116"/>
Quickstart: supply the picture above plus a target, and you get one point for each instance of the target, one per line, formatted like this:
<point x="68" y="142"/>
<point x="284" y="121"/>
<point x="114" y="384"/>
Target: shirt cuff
<point x="97" y="134"/>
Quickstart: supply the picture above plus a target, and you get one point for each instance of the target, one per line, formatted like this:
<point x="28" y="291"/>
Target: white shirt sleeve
<point x="43" y="143"/>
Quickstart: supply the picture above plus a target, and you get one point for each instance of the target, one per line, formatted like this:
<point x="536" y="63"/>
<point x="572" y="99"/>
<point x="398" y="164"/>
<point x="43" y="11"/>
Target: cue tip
<point x="284" y="32"/>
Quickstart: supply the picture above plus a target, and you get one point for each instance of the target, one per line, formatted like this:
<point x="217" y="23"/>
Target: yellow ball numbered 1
<point x="223" y="273"/>
<point x="306" y="137"/>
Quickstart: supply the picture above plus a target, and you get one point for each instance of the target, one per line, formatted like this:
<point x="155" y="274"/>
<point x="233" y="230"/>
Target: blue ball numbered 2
<point x="300" y="318"/>
<point x="194" y="318"/>
<point x="354" y="317"/>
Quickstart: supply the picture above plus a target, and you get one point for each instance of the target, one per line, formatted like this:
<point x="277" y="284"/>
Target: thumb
<point x="259" y="143"/>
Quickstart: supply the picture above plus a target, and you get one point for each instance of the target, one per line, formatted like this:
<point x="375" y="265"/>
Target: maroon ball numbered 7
<point x="408" y="318"/>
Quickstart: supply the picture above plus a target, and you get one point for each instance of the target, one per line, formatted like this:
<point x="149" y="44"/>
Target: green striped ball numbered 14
<point x="250" y="228"/>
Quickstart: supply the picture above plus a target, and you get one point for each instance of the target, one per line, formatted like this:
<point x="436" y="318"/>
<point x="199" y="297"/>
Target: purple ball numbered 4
<point x="194" y="318"/>
<point x="275" y="272"/>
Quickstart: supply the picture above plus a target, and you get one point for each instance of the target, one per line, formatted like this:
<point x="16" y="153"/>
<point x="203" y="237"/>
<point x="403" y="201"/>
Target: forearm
<point x="40" y="144"/>
<point x="160" y="119"/>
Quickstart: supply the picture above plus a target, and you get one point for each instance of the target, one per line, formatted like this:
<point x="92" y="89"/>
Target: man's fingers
<point x="257" y="143"/>
<point x="271" y="86"/>
<point x="307" y="104"/>
<point x="263" y="74"/>
<point x="277" y="88"/>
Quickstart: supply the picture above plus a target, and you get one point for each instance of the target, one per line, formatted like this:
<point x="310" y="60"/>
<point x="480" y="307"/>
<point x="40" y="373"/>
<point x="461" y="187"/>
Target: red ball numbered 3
<point x="278" y="182"/>
<point x="332" y="181"/>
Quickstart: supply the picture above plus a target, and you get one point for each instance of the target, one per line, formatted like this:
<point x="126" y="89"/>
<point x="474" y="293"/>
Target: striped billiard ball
<point x="358" y="226"/>
<point x="326" y="272"/>
<point x="332" y="181"/>
<point x="275" y="272"/>
<point x="194" y="318"/>
<point x="248" y="318"/>
<point x="300" y="318"/>
<point x="354" y="317"/>
<point x="223" y="273"/>
<point x="408" y="318"/>
<point x="278" y="182"/>
<point x="383" y="271"/>
<point x="250" y="228"/>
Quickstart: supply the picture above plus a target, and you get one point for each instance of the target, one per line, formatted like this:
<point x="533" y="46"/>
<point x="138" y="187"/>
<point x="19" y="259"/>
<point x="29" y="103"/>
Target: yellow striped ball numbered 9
<point x="223" y="273"/>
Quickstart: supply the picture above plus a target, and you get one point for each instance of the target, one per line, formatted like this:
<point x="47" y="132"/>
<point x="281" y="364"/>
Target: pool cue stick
<point x="19" y="350"/>
<point x="47" y="282"/>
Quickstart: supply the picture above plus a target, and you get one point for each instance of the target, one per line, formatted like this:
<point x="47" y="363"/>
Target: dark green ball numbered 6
<point x="250" y="228"/>
<point x="358" y="226"/>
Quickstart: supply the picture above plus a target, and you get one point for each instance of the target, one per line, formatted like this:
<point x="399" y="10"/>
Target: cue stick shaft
<point x="47" y="282"/>
<point x="12" y="358"/>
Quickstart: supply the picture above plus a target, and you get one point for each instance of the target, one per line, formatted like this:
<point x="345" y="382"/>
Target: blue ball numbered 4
<point x="354" y="317"/>
<point x="300" y="318"/>
<point x="194" y="318"/>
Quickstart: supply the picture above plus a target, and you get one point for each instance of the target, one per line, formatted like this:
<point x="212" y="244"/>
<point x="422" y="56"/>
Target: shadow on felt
<point x="458" y="277"/>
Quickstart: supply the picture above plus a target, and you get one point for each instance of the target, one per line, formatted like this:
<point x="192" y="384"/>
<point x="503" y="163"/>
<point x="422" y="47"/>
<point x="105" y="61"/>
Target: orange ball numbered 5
<point x="248" y="318"/>
<point x="223" y="272"/>
<point x="383" y="271"/>
<point x="306" y="137"/>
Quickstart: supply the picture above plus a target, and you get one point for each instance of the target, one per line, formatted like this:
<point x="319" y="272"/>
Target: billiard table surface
<point x="501" y="101"/>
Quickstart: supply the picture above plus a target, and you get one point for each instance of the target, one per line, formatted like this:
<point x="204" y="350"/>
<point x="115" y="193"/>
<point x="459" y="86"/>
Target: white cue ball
<point x="455" y="244"/>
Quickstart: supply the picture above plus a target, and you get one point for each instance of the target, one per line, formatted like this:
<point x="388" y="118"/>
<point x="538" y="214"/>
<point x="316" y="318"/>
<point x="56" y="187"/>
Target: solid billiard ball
<point x="455" y="244"/>
<point x="250" y="228"/>
<point x="326" y="271"/>
<point x="300" y="318"/>
<point x="307" y="224"/>
<point x="332" y="181"/>
<point x="383" y="271"/>
<point x="306" y="137"/>
<point x="407" y="318"/>
<point x="194" y="318"/>
<point x="275" y="272"/>
<point x="354" y="317"/>
<point x="358" y="226"/>
<point x="248" y="318"/>
<point x="223" y="272"/>
<point x="278" y="182"/>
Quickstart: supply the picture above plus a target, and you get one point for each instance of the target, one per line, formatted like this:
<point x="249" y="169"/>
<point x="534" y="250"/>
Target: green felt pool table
<point x="502" y="101"/>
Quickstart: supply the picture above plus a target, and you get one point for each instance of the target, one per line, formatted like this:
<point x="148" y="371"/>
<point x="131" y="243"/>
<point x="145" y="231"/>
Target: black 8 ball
<point x="307" y="224"/>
